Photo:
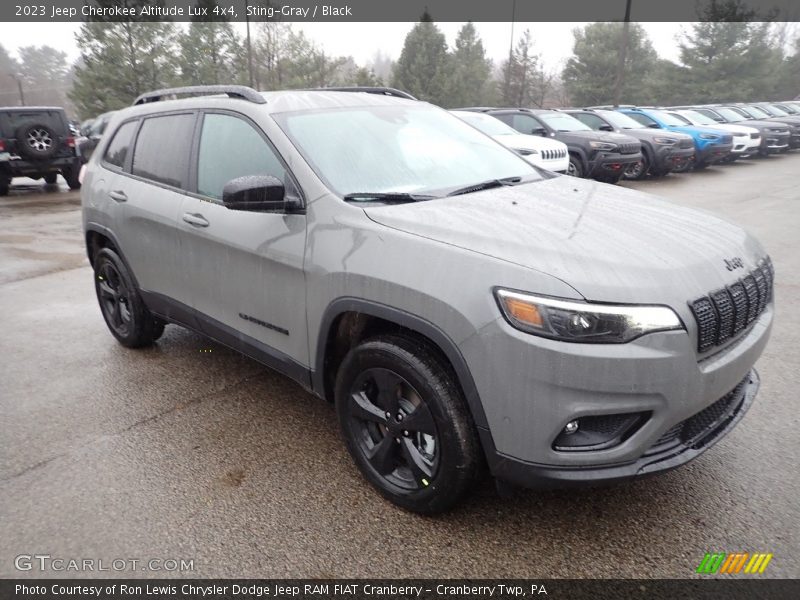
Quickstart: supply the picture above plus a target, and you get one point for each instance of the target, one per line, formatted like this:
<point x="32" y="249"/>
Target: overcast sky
<point x="362" y="40"/>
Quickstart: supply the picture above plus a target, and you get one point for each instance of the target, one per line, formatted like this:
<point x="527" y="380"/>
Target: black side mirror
<point x="654" y="126"/>
<point x="606" y="128"/>
<point x="257" y="193"/>
<point x="539" y="131"/>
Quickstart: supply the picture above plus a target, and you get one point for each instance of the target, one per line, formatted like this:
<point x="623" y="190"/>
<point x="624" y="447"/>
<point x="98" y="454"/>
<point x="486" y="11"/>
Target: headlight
<point x="603" y="145"/>
<point x="665" y="140"/>
<point x="573" y="321"/>
<point x="708" y="136"/>
<point x="524" y="151"/>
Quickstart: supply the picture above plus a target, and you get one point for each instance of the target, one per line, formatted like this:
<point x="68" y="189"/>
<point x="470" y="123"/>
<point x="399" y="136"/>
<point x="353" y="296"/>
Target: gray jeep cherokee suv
<point x="459" y="306"/>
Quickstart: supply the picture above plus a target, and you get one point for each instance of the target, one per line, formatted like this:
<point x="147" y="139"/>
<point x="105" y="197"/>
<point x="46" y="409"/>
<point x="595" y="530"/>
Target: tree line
<point x="719" y="61"/>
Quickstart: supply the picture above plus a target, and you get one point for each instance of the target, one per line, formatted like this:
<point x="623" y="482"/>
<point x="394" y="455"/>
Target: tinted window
<point x="117" y="150"/>
<point x="592" y="121"/>
<point x="525" y="123"/>
<point x="230" y="148"/>
<point x="162" y="149"/>
<point x="646" y="121"/>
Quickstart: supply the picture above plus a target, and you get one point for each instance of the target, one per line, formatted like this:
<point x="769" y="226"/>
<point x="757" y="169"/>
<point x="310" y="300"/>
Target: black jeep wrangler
<point x="37" y="142"/>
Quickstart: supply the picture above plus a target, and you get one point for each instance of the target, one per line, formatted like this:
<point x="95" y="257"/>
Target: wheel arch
<point x="348" y="320"/>
<point x="98" y="237"/>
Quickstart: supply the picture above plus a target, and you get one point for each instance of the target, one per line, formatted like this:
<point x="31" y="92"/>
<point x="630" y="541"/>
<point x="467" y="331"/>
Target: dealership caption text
<point x="114" y="12"/>
<point x="278" y="590"/>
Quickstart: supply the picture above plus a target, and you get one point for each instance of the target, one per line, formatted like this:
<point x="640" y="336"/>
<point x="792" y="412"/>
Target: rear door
<point x="151" y="192"/>
<point x="244" y="269"/>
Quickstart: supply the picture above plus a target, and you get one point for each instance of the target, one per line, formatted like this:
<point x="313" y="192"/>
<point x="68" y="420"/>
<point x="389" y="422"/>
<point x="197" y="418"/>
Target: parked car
<point x="459" y="306"/>
<point x="746" y="140"/>
<point x="753" y="112"/>
<point x="661" y="151"/>
<point x="93" y="135"/>
<point x="597" y="154"/>
<point x="792" y="108"/>
<point x="774" y="136"/>
<point x="544" y="153"/>
<point x="711" y="146"/>
<point x="36" y="142"/>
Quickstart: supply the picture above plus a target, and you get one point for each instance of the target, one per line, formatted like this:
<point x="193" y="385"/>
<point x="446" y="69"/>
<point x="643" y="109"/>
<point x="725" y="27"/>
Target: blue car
<point x="712" y="145"/>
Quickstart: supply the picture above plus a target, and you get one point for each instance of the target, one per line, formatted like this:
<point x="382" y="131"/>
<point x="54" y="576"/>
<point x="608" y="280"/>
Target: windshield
<point x="730" y="115"/>
<point x="697" y="118"/>
<point x="668" y="119"/>
<point x="682" y="118"/>
<point x="562" y="122"/>
<point x="414" y="148"/>
<point x="620" y="121"/>
<point x="750" y="112"/>
<point x="485" y="123"/>
<point x="777" y="111"/>
<point x="759" y="112"/>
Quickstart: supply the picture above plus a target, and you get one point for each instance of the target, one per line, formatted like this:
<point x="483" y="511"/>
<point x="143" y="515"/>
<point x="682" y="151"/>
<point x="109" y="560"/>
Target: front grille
<point x="726" y="139"/>
<point x="726" y="312"/>
<point x="696" y="431"/>
<point x="629" y="148"/>
<point x="686" y="144"/>
<point x="553" y="154"/>
<point x="755" y="136"/>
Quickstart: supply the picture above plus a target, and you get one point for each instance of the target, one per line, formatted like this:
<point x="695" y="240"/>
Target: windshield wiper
<point x="485" y="185"/>
<point x="393" y="197"/>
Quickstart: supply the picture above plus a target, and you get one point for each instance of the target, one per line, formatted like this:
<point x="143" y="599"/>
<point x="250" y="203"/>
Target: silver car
<point x="459" y="306"/>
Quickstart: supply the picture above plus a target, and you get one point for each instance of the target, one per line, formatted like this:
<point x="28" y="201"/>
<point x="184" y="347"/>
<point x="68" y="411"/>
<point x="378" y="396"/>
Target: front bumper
<point x="611" y="164"/>
<point x="673" y="449"/>
<point x="772" y="142"/>
<point x="713" y="153"/>
<point x="675" y="157"/>
<point x="531" y="387"/>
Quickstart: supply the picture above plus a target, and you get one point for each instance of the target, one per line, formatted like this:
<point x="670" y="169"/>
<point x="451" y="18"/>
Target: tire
<point x="51" y="178"/>
<point x="71" y="177"/>
<point x="427" y="466"/>
<point x="638" y="170"/>
<point x="120" y="303"/>
<point x="699" y="166"/>
<point x="36" y="141"/>
<point x="4" y="185"/>
<point x="683" y="167"/>
<point x="575" y="168"/>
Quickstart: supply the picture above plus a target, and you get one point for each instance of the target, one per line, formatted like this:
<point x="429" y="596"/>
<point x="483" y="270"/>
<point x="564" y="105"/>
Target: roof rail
<point x="233" y="91"/>
<point x="383" y="91"/>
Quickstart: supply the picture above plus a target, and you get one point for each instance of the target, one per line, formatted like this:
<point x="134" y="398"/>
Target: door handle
<point x="118" y="196"/>
<point x="195" y="219"/>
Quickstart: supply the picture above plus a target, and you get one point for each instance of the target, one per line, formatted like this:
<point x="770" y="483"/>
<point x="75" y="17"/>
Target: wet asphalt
<point x="188" y="450"/>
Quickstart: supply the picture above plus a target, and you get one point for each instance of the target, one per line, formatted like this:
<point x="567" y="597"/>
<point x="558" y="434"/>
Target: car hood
<point x="645" y="133"/>
<point x="530" y="142"/>
<point x="609" y="243"/>
<point x="761" y="124"/>
<point x="693" y="130"/>
<point x="601" y="136"/>
<point x="731" y="128"/>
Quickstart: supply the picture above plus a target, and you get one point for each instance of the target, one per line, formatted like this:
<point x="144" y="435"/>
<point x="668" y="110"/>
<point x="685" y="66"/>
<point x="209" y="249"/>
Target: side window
<point x="229" y="148"/>
<point x="162" y="149"/>
<point x="525" y="124"/>
<point x="644" y="120"/>
<point x="592" y="121"/>
<point x="117" y="150"/>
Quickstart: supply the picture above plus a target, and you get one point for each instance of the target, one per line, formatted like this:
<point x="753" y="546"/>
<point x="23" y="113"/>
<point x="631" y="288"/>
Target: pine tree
<point x="520" y="74"/>
<point x="469" y="70"/>
<point x="120" y="60"/>
<point x="590" y="74"/>
<point x="44" y="73"/>
<point x="422" y="67"/>
<point x="210" y="51"/>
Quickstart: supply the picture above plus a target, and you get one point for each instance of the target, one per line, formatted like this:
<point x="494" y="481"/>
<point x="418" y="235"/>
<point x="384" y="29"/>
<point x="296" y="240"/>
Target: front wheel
<point x="575" y="167"/>
<point x="123" y="309"/>
<point x="406" y="424"/>
<point x="638" y="170"/>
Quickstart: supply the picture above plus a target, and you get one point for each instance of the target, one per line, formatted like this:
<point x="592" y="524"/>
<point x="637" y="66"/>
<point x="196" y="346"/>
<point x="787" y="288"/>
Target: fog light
<point x="571" y="427"/>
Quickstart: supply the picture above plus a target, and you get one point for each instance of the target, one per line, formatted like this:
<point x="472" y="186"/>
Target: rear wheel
<point x="406" y="424"/>
<point x="51" y="178"/>
<point x="4" y="185"/>
<point x="699" y="166"/>
<point x="71" y="177"/>
<point x="123" y="308"/>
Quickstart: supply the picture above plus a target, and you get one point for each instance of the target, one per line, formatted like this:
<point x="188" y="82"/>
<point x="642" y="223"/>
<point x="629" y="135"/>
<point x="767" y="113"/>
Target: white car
<point x="541" y="152"/>
<point x="746" y="140"/>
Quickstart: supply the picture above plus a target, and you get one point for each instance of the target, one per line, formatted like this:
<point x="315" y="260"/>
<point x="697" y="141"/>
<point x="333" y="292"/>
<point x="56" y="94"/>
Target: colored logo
<point x="734" y="563"/>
